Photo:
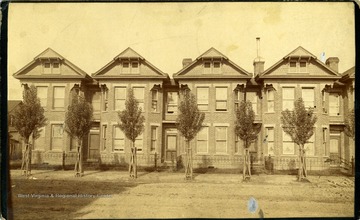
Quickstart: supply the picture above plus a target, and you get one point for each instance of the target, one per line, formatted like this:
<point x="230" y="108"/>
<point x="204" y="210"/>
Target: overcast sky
<point x="90" y="35"/>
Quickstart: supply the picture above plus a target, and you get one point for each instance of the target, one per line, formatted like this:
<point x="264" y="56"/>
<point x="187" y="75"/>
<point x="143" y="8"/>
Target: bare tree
<point x="350" y="124"/>
<point x="28" y="119"/>
<point x="132" y="124"/>
<point x="247" y="131"/>
<point x="78" y="119"/>
<point x="299" y="125"/>
<point x="189" y="123"/>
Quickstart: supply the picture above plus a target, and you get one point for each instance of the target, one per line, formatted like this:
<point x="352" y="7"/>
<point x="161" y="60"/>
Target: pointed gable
<point x="212" y="64"/>
<point x="129" y="64"/>
<point x="49" y="64"/>
<point x="299" y="63"/>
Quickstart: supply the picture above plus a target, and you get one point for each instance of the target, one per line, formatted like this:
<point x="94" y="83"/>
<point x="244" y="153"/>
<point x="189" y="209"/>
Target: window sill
<point x="269" y="112"/>
<point x="118" y="152"/>
<point x="58" y="110"/>
<point x="221" y="111"/>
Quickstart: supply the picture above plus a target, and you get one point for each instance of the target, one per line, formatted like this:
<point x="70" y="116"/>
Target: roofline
<point x="130" y="77"/>
<point x="298" y="77"/>
<point x="212" y="77"/>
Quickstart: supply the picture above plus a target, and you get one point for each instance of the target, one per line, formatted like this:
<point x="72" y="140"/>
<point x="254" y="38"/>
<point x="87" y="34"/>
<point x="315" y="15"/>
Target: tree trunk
<point x="188" y="168"/>
<point x="132" y="166"/>
<point x="79" y="160"/>
<point x="26" y="159"/>
<point x="302" y="164"/>
<point x="246" y="167"/>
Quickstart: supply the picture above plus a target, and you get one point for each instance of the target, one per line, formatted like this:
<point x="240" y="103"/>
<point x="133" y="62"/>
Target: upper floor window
<point x="172" y="102"/>
<point x="105" y="103"/>
<point x="308" y="97"/>
<point x="288" y="95"/>
<point x="154" y="100"/>
<point x="237" y="98"/>
<point x="270" y="101"/>
<point x="334" y="104"/>
<point x="130" y="67"/>
<point x="125" y="67"/>
<point x="297" y="66"/>
<point x="96" y="99"/>
<point x="119" y="98"/>
<point x="59" y="97"/>
<point x="212" y="67"/>
<point x="202" y="95"/>
<point x="252" y="97"/>
<point x="51" y="67"/>
<point x="42" y="94"/>
<point x="221" y="98"/>
<point x="139" y="96"/>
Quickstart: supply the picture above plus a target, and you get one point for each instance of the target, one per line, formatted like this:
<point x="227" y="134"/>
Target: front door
<point x="94" y="145"/>
<point x="170" y="144"/>
<point x="335" y="150"/>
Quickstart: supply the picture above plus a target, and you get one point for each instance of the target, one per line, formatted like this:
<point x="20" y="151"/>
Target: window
<point x="47" y="68"/>
<point x="303" y="67"/>
<point x="221" y="99"/>
<point x="216" y="69"/>
<point x="118" y="140"/>
<point x="56" y="136"/>
<point x="270" y="101"/>
<point x="207" y="67"/>
<point x="292" y="66"/>
<point x="153" y="138"/>
<point x="288" y="98"/>
<point x="288" y="144"/>
<point x="105" y="99"/>
<point x="212" y="67"/>
<point x="120" y="98"/>
<point x="236" y="99"/>
<point x="134" y="67"/>
<point x="126" y="67"/>
<point x="59" y="97"/>
<point x="334" y="104"/>
<point x="56" y="68"/>
<point x="154" y="100"/>
<point x="202" y="140"/>
<point x="309" y="97"/>
<point x="221" y="139"/>
<point x="324" y="107"/>
<point x="238" y="144"/>
<point x="103" y="136"/>
<point x="252" y="97"/>
<point x="39" y="143"/>
<point x="172" y="102"/>
<point x="139" y="96"/>
<point x="42" y="94"/>
<point x="310" y="146"/>
<point x="96" y="99"/>
<point x="139" y="142"/>
<point x="202" y="94"/>
<point x="269" y="138"/>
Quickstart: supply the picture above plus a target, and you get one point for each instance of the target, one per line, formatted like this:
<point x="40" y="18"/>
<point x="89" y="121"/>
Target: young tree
<point x="78" y="119"/>
<point x="189" y="123"/>
<point x="132" y="124"/>
<point x="299" y="125"/>
<point x="247" y="131"/>
<point x="28" y="119"/>
<point x="350" y="124"/>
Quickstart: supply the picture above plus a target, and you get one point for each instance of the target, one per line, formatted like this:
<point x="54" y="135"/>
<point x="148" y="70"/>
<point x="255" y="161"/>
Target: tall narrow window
<point x="334" y="104"/>
<point x="172" y="102"/>
<point x="270" y="101"/>
<point x="288" y="144"/>
<point x="95" y="102"/>
<point x="202" y="94"/>
<point x="309" y="97"/>
<point x="221" y="139"/>
<point x="59" y="97"/>
<point x="310" y="146"/>
<point x="269" y="139"/>
<point x="139" y="96"/>
<point x="153" y="138"/>
<point x="103" y="136"/>
<point x="57" y="136"/>
<point x="120" y="98"/>
<point x="125" y="67"/>
<point x="324" y="107"/>
<point x="154" y="100"/>
<point x="139" y="142"/>
<point x="252" y="97"/>
<point x="118" y="140"/>
<point x="42" y="94"/>
<point x="236" y="99"/>
<point x="202" y="140"/>
<point x="105" y="99"/>
<point x="221" y="98"/>
<point x="288" y="98"/>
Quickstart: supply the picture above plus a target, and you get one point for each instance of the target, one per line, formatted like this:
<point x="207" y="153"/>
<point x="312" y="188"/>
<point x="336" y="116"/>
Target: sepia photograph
<point x="181" y="110"/>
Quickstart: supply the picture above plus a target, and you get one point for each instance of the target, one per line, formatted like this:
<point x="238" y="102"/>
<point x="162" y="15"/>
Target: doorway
<point x="170" y="145"/>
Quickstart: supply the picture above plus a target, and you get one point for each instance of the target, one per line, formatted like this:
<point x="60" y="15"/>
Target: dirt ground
<point x="111" y="194"/>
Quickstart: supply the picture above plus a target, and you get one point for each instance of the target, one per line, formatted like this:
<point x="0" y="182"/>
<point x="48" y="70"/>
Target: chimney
<point x="186" y="62"/>
<point x="333" y="63"/>
<point x="258" y="61"/>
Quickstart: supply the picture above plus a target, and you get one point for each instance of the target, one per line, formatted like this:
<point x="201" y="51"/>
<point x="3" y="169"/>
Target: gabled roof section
<point x="129" y="54"/>
<point x="350" y="73"/>
<point x="32" y="69"/>
<point x="299" y="53"/>
<point x="12" y="105"/>
<point x="212" y="53"/>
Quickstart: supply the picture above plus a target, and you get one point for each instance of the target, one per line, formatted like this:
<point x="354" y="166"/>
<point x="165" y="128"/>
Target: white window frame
<point x="140" y="101"/>
<point x="221" y="140"/>
<point x="304" y="98"/>
<point x="173" y="104"/>
<point x="154" y="100"/>
<point x="288" y="100"/>
<point x="43" y="101"/>
<point x="104" y="128"/>
<point x="62" y="98"/>
<point x="221" y="99"/>
<point x="120" y="99"/>
<point x="59" y="138"/>
<point x="203" y="140"/>
<point x="206" y="101"/>
<point x="287" y="141"/>
<point x="153" y="140"/>
<point x="270" y="140"/>
<point x="254" y="105"/>
<point x="121" y="139"/>
<point x="338" y="104"/>
<point x="268" y="100"/>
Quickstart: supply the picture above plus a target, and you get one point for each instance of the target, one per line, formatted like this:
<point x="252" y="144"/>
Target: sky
<point x="91" y="34"/>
